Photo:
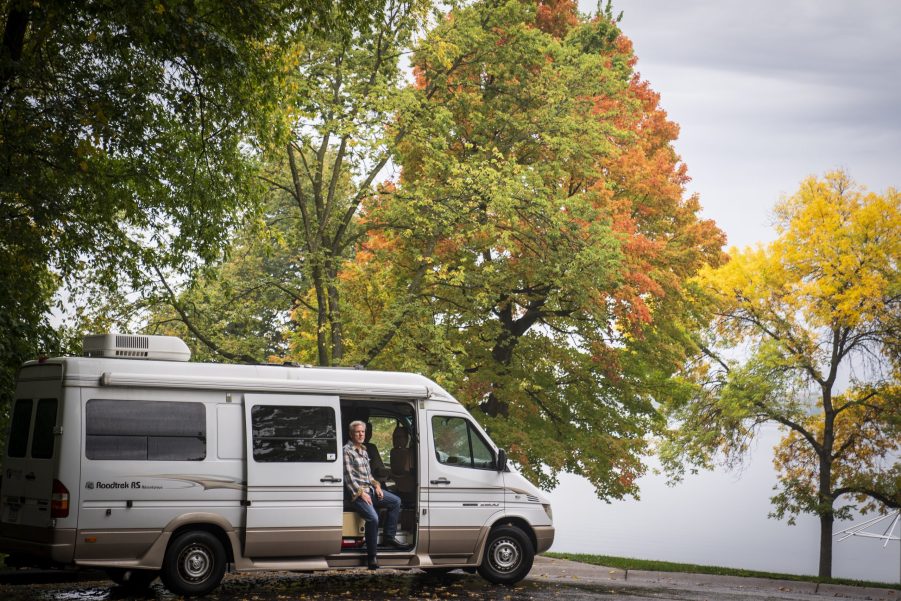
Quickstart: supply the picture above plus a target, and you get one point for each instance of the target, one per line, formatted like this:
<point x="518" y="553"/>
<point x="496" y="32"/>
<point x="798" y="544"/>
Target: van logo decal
<point x="91" y="485"/>
<point x="208" y="482"/>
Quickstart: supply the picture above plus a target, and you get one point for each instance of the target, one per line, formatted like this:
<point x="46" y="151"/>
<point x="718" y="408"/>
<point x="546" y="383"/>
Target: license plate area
<point x="11" y="513"/>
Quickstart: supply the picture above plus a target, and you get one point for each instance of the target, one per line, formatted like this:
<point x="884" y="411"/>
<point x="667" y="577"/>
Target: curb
<point x="548" y="568"/>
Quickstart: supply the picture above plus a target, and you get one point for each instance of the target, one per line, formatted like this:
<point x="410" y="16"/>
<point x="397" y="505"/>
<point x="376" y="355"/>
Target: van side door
<point x="465" y="490"/>
<point x="294" y="470"/>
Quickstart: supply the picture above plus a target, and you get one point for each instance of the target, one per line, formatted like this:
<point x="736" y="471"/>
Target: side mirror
<point x="501" y="460"/>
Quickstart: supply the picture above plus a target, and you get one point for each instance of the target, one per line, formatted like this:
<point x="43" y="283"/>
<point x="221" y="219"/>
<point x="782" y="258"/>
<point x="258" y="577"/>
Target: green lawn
<point x="627" y="563"/>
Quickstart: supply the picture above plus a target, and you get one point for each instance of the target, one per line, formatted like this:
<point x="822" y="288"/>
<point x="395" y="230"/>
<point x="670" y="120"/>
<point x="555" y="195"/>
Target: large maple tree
<point x="539" y="240"/>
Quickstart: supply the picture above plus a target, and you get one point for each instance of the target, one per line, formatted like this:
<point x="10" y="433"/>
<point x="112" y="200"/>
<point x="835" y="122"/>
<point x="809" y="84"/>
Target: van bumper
<point x="55" y="545"/>
<point x="544" y="538"/>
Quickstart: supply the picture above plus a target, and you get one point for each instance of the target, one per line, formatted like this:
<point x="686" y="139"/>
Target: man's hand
<point x="378" y="491"/>
<point x="366" y="498"/>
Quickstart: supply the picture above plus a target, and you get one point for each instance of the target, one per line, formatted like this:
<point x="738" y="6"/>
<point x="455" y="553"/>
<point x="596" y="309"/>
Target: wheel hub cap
<point x="196" y="562"/>
<point x="505" y="555"/>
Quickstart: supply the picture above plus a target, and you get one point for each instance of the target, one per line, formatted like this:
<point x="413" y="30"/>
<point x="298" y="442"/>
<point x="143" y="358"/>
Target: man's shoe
<point x="372" y="564"/>
<point x="393" y="542"/>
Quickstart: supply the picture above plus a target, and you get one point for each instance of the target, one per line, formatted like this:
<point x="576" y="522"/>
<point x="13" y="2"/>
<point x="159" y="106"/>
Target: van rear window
<point x="19" y="428"/>
<point x="145" y="430"/>
<point x="44" y="421"/>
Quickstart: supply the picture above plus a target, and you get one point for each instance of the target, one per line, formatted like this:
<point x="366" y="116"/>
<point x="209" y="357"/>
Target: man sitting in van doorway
<point x="367" y="495"/>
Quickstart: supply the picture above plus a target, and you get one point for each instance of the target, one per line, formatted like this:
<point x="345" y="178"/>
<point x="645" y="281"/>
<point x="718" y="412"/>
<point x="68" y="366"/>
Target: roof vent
<point x="136" y="346"/>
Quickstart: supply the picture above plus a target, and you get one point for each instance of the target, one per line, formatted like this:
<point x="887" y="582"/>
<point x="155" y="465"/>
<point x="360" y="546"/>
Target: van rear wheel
<point x="508" y="556"/>
<point x="194" y="563"/>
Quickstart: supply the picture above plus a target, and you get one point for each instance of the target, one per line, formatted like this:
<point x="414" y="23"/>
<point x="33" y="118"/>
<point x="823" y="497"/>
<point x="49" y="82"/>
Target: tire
<point x="508" y="556"/>
<point x="194" y="563"/>
<point x="132" y="580"/>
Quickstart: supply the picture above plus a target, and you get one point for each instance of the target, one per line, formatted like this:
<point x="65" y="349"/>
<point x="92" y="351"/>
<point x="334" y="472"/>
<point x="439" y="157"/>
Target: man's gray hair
<point x="356" y="423"/>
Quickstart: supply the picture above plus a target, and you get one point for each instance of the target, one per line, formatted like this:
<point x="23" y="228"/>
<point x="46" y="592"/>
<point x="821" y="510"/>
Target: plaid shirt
<point x="357" y="474"/>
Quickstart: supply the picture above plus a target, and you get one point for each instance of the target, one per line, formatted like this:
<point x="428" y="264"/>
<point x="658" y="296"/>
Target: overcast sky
<point x="768" y="92"/>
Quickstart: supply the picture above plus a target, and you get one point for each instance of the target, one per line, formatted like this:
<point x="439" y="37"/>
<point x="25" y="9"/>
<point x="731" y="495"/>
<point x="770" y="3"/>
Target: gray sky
<point x="769" y="92"/>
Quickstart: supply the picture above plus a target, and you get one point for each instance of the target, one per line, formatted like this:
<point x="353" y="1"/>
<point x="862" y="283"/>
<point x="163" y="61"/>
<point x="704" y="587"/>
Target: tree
<point x="239" y="309"/>
<point x="540" y="240"/>
<point x="818" y="305"/>
<point x="347" y="87"/>
<point x="533" y="255"/>
<point x="121" y="144"/>
<point x="347" y="83"/>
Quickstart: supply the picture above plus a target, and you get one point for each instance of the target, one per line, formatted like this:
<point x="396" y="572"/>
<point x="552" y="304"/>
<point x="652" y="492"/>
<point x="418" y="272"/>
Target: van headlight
<point x="548" y="511"/>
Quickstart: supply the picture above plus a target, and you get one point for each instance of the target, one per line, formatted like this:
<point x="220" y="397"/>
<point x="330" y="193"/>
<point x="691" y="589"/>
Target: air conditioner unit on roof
<point x="136" y="346"/>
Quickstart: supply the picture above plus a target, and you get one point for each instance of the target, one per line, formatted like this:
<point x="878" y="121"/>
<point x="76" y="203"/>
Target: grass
<point x="627" y="563"/>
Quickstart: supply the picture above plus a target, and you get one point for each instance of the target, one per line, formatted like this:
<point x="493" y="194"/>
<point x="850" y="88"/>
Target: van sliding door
<point x="294" y="470"/>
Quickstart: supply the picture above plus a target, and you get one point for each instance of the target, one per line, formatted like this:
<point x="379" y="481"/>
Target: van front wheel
<point x="194" y="564"/>
<point x="508" y="556"/>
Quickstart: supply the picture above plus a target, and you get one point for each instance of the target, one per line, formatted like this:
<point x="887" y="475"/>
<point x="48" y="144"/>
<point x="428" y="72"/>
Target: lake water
<point x="713" y="518"/>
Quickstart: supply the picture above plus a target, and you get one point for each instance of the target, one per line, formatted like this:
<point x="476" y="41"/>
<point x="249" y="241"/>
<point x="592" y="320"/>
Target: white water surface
<point x="713" y="518"/>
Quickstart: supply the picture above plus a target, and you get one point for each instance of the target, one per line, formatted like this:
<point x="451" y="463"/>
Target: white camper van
<point x="135" y="460"/>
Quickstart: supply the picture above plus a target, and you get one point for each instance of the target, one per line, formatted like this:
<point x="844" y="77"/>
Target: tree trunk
<point x="13" y="43"/>
<point x="334" y="317"/>
<point x="321" y="316"/>
<point x="827" y="521"/>
<point x="827" y="516"/>
<point x="505" y="345"/>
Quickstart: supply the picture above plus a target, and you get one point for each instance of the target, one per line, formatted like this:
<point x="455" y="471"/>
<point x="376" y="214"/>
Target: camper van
<point x="135" y="460"/>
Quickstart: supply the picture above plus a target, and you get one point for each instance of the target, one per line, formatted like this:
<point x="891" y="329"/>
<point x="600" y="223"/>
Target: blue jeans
<point x="370" y="515"/>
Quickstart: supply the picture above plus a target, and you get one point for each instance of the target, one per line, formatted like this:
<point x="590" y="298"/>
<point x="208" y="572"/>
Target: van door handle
<point x="30" y="476"/>
<point x="440" y="481"/>
<point x="330" y="479"/>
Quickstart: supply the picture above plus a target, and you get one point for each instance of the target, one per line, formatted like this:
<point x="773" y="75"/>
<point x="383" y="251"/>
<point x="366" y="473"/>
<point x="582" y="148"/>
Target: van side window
<point x="293" y="434"/>
<point x="44" y="421"/>
<point x="457" y="442"/>
<point x="145" y="430"/>
<point x="19" y="428"/>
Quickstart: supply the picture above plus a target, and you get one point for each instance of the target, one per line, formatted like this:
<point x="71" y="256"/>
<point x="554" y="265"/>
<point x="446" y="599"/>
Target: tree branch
<point x="185" y="319"/>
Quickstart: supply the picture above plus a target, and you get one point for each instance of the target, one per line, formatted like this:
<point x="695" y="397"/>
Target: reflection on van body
<point x="155" y="466"/>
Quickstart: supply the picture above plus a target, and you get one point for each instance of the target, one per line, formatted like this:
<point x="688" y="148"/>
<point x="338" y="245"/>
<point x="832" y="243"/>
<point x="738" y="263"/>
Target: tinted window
<point x="44" y="421"/>
<point x="293" y="434"/>
<point x="145" y="430"/>
<point x="457" y="442"/>
<point x="19" y="427"/>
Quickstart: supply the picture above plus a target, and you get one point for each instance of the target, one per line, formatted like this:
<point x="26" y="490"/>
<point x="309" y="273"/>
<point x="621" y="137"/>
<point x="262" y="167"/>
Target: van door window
<point x="145" y="430"/>
<point x="293" y="434"/>
<point x="19" y="428"/>
<point x="458" y="443"/>
<point x="44" y="421"/>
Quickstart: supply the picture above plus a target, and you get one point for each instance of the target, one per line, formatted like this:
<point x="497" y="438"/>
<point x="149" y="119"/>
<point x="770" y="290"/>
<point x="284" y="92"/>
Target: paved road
<point x="550" y="580"/>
